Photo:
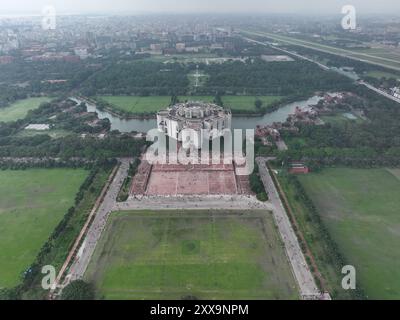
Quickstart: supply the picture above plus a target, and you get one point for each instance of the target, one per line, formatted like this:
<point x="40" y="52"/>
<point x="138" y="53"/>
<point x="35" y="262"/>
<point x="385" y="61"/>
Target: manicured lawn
<point x="134" y="104"/>
<point x="247" y="102"/>
<point x="19" y="109"/>
<point x="138" y="105"/>
<point x="32" y="203"/>
<point x="209" y="255"/>
<point x="340" y="118"/>
<point x="360" y="208"/>
<point x="197" y="98"/>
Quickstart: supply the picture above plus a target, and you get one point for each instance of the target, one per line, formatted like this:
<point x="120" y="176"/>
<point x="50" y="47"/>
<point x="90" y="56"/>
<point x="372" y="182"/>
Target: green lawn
<point x="382" y="74"/>
<point x="340" y="118"/>
<point x="360" y="208"/>
<point x="32" y="203"/>
<point x="197" y="98"/>
<point x="209" y="255"/>
<point x="153" y="104"/>
<point x="247" y="102"/>
<point x="134" y="104"/>
<point x="19" y="109"/>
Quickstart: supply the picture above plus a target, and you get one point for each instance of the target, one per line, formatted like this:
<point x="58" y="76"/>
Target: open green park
<point x="191" y="254"/>
<point x="19" y="109"/>
<point x="32" y="203"/>
<point x="153" y="104"/>
<point x="360" y="209"/>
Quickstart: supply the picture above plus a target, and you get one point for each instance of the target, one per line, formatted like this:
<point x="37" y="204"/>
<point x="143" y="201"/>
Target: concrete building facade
<point x="193" y="122"/>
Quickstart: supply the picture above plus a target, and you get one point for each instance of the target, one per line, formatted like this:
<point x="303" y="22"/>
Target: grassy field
<point x="209" y="255"/>
<point x="133" y="104"/>
<point x="247" y="102"/>
<point x="340" y="118"/>
<point x="32" y="202"/>
<point x="360" y="208"/>
<point x="380" y="52"/>
<point x="382" y="74"/>
<point x="138" y="105"/>
<point x="19" y="109"/>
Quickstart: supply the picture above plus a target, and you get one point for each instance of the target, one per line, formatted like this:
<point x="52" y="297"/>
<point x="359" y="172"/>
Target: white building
<point x="396" y="92"/>
<point x="82" y="53"/>
<point x="206" y="121"/>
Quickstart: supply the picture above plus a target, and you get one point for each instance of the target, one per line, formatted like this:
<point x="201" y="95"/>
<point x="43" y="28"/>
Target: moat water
<point x="238" y="122"/>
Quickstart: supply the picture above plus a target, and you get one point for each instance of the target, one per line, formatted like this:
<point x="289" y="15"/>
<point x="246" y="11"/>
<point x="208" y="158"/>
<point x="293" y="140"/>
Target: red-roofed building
<point x="298" y="168"/>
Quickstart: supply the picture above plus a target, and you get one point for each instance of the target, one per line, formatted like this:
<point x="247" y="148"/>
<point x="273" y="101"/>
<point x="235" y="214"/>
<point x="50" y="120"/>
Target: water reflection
<point x="238" y="122"/>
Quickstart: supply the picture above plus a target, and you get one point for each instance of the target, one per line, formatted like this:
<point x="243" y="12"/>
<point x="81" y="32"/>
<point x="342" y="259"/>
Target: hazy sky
<point x="216" y="6"/>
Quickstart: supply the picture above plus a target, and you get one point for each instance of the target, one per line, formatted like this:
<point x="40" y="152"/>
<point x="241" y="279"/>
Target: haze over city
<point x="208" y="151"/>
<point x="195" y="6"/>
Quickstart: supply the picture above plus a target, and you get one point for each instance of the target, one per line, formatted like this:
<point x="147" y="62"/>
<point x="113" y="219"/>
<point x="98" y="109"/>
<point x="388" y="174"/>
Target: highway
<point x="327" y="49"/>
<point x="382" y="93"/>
<point x="367" y="85"/>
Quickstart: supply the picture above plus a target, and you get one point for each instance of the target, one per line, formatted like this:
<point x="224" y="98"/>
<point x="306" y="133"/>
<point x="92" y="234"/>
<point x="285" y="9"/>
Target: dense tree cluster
<point x="9" y="94"/>
<point x="32" y="76"/>
<point x="71" y="146"/>
<point x="277" y="78"/>
<point x="370" y="143"/>
<point x="139" y="78"/>
<point x="256" y="184"/>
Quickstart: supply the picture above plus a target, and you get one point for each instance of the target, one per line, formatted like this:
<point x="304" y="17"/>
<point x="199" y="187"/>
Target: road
<point x="367" y="85"/>
<point x="381" y="92"/>
<point x="289" y="52"/>
<point x="301" y="271"/>
<point x="331" y="50"/>
<point x="82" y="259"/>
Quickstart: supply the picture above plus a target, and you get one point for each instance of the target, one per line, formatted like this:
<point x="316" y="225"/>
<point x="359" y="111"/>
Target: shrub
<point x="78" y="290"/>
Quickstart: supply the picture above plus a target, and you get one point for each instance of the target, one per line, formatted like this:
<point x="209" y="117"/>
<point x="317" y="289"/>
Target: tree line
<point x="374" y="142"/>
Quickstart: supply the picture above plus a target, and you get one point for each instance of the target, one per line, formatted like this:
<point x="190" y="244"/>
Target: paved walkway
<point x="109" y="204"/>
<point x="308" y="288"/>
<point x="301" y="271"/>
<point x="240" y="202"/>
<point x="82" y="259"/>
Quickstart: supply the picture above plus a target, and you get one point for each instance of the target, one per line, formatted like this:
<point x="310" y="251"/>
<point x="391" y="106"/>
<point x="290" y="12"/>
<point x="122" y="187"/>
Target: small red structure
<point x="298" y="168"/>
